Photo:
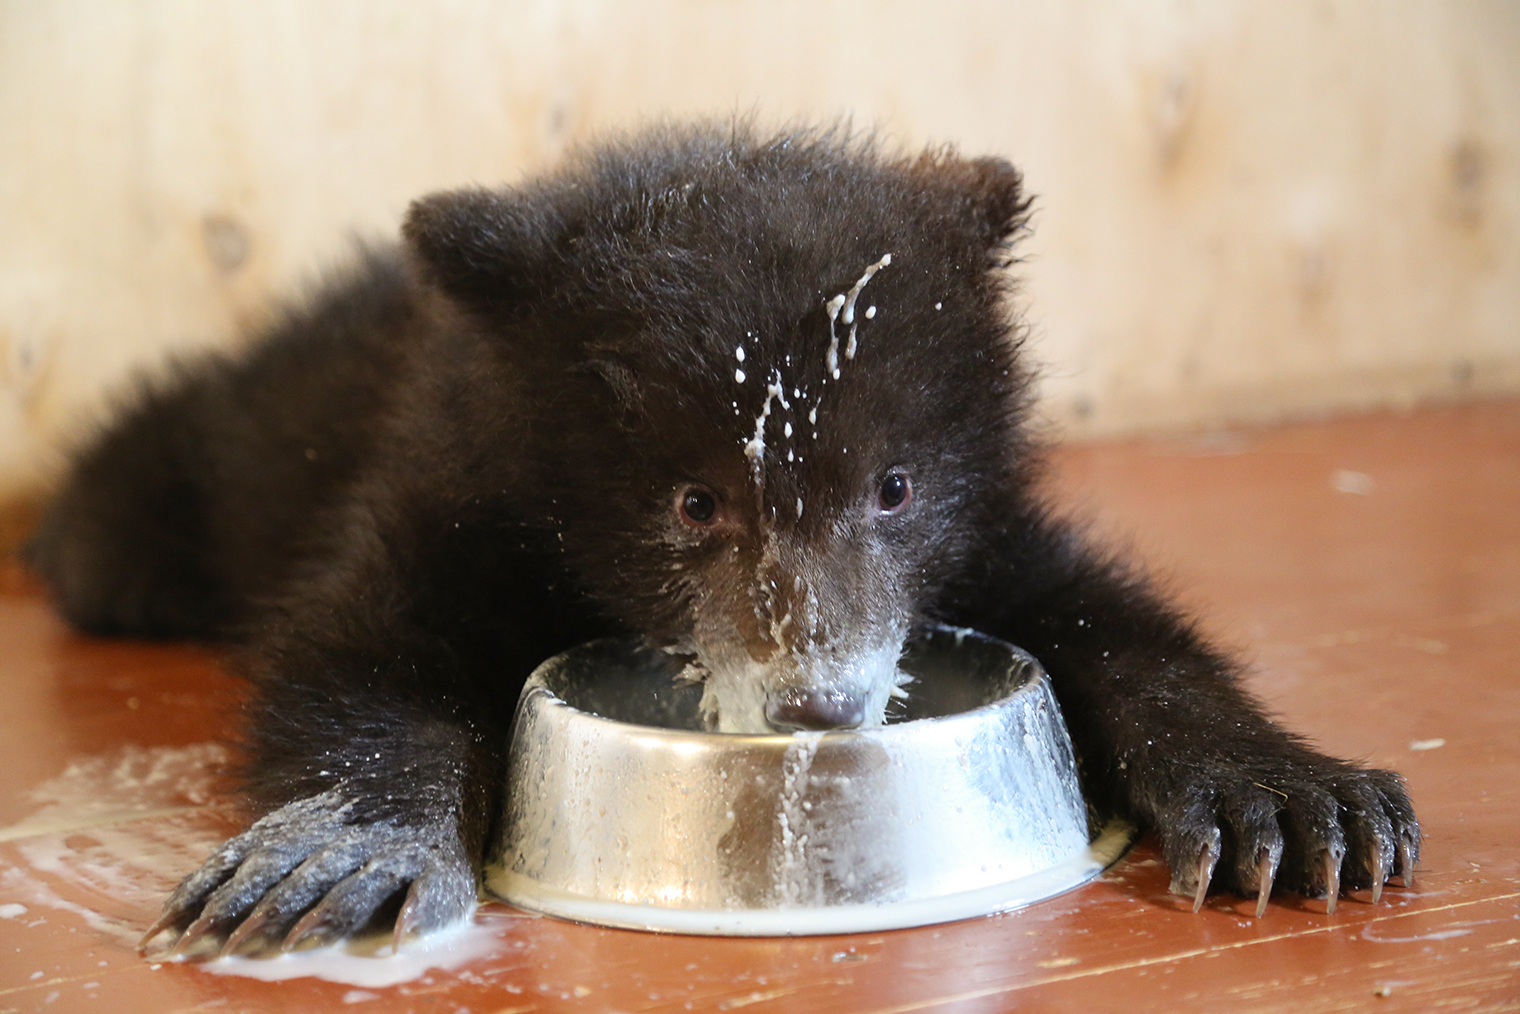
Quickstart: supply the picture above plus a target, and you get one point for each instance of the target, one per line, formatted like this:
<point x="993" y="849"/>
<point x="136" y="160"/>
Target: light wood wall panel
<point x="1246" y="210"/>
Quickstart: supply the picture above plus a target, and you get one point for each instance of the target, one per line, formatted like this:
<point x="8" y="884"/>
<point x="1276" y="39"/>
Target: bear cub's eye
<point x="697" y="506"/>
<point x="896" y="490"/>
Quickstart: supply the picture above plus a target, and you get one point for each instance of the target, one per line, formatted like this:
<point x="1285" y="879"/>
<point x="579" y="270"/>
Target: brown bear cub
<point x="757" y="399"/>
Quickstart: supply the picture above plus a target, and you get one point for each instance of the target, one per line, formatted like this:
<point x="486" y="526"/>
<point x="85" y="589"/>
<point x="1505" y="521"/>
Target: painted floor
<point x="1368" y="568"/>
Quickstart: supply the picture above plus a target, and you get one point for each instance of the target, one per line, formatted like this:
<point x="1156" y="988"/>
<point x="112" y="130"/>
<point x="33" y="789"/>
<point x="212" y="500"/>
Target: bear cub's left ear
<point x="485" y="248"/>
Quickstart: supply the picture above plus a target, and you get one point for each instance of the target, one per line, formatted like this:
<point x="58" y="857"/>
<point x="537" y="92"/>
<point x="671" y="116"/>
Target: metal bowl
<point x="622" y="812"/>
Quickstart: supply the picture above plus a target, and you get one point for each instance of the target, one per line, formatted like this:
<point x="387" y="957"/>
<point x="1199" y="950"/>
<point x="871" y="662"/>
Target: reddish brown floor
<point x="1383" y="621"/>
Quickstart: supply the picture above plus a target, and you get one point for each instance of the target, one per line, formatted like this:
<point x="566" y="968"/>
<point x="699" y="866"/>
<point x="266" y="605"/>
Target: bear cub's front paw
<point x="1315" y="828"/>
<point x="309" y="874"/>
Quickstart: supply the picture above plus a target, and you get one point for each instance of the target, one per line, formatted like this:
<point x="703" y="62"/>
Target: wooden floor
<point x="1369" y="569"/>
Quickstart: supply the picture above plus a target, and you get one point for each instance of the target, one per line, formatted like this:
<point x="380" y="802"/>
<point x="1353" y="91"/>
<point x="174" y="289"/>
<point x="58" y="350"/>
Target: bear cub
<point x="755" y="398"/>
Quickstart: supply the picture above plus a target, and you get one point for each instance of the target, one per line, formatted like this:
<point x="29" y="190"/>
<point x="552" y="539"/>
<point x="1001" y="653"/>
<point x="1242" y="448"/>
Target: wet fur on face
<point x="706" y="339"/>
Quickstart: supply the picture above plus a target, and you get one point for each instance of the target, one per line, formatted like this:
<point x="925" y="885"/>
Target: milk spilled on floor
<point x="371" y="962"/>
<point x="114" y="833"/>
<point x="90" y="849"/>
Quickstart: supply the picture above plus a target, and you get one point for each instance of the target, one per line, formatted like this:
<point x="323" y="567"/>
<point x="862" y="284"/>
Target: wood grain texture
<point x="1246" y="210"/>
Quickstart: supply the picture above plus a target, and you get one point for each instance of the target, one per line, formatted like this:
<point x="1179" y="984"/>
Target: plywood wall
<point x="1246" y="210"/>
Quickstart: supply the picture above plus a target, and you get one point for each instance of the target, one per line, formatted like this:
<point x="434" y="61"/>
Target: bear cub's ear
<point x="989" y="191"/>
<point x="997" y="193"/>
<point x="485" y="248"/>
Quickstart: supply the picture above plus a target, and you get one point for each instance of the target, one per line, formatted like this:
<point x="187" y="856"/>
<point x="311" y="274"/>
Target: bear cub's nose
<point x="801" y="710"/>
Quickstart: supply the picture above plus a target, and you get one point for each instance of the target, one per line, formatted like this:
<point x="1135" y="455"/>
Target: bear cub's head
<point x="769" y="388"/>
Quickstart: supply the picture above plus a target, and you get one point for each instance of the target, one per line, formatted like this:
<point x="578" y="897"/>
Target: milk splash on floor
<point x="114" y="833"/>
<point x="90" y="848"/>
<point x="371" y="962"/>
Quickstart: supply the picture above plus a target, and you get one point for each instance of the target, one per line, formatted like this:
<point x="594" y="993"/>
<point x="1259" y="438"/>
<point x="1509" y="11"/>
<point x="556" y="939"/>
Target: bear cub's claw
<point x="307" y="875"/>
<point x="1313" y="832"/>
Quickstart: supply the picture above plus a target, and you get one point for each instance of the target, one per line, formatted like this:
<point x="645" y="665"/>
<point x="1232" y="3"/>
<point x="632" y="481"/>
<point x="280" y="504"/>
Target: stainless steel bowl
<point x="621" y="812"/>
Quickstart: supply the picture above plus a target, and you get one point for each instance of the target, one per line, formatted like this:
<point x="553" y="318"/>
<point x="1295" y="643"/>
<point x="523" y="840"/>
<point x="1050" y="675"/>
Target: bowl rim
<point x="1036" y="678"/>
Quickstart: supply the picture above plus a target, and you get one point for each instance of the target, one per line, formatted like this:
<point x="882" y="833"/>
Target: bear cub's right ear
<point x="485" y="248"/>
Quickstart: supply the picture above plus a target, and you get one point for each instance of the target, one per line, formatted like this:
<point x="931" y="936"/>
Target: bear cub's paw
<point x="308" y="874"/>
<point x="1319" y="828"/>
